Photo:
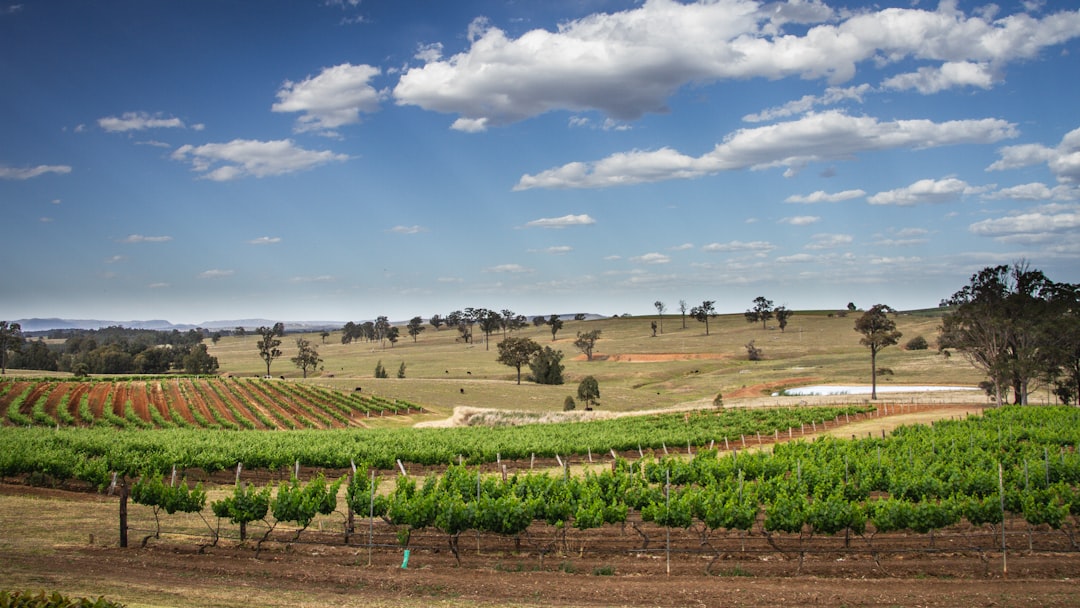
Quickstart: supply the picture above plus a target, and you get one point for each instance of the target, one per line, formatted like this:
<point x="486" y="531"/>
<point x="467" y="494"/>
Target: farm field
<point x="893" y="514"/>
<point x="68" y="541"/>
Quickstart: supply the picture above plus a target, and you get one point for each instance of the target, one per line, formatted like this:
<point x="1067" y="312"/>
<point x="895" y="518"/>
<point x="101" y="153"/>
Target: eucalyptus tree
<point x="762" y="311"/>
<point x="879" y="331"/>
<point x="516" y="352"/>
<point x="703" y="313"/>
<point x="660" y="308"/>
<point x="555" y="323"/>
<point x="415" y="327"/>
<point x="307" y="356"/>
<point x="269" y="343"/>
<point x="11" y="338"/>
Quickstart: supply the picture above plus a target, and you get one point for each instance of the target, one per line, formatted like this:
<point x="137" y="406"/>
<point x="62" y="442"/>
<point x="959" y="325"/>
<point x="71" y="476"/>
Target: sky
<point x="343" y="159"/>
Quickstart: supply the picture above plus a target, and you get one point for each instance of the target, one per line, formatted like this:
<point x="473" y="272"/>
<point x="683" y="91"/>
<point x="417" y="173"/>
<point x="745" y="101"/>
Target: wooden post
<point x="239" y="467"/>
<point x="123" y="513"/>
<point x="401" y="467"/>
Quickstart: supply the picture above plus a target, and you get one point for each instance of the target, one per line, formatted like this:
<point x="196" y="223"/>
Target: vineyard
<point x="189" y="403"/>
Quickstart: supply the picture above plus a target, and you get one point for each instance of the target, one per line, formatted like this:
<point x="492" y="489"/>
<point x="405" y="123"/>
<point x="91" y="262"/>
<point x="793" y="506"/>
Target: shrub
<point x="380" y="371"/>
<point x="568" y="404"/>
<point x="718" y="401"/>
<point x="917" y="343"/>
<point x="753" y="352"/>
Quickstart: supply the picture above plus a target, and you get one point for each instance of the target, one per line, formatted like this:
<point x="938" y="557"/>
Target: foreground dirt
<point x="68" y="541"/>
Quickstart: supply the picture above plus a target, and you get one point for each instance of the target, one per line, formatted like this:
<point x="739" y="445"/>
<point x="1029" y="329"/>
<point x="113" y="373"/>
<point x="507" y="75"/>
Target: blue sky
<point x="339" y="160"/>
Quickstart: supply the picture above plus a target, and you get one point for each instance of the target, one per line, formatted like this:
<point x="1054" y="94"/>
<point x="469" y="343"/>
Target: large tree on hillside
<point x="1006" y="322"/>
<point x="307" y="356"/>
<point x="555" y="323"/>
<point x="269" y="343"/>
<point x="703" y="313"/>
<point x="782" y="314"/>
<point x="11" y="338"/>
<point x="660" y="308"/>
<point x="878" y="331"/>
<point x="682" y="310"/>
<point x="415" y="327"/>
<point x="586" y="342"/>
<point x="762" y="311"/>
<point x="516" y="352"/>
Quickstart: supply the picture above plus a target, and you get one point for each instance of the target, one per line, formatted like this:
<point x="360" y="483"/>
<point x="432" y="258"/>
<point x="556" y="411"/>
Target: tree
<point x="753" y="352"/>
<point x="436" y="322"/>
<point x="199" y="361"/>
<point x="1005" y="321"/>
<point x="782" y="314"/>
<point x="215" y="337"/>
<point x="268" y="345"/>
<point x="239" y="332"/>
<point x="306" y="356"/>
<point x="579" y="316"/>
<point x="682" y="311"/>
<point x="568" y="404"/>
<point x="587" y="341"/>
<point x="380" y="371"/>
<point x="546" y="366"/>
<point x="660" y="308"/>
<point x="539" y="321"/>
<point x="401" y="370"/>
<point x="762" y="311"/>
<point x="589" y="392"/>
<point x="415" y="327"/>
<point x="392" y="335"/>
<point x="879" y="331"/>
<point x="382" y="329"/>
<point x="11" y="338"/>
<point x="516" y="352"/>
<point x="556" y="324"/>
<point x="490" y="322"/>
<point x="703" y="313"/>
<point x="324" y="335"/>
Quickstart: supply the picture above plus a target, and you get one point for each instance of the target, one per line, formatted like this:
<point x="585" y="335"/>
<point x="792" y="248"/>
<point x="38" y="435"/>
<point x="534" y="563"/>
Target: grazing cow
<point x="462" y="390"/>
<point x="358" y="389"/>
<point x="283" y="377"/>
<point x="470" y="373"/>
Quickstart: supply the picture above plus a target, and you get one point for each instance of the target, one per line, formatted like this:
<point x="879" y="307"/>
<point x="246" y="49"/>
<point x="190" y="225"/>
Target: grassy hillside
<point x="635" y="370"/>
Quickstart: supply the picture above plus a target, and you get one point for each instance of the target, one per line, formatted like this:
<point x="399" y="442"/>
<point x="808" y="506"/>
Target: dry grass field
<point x="677" y="368"/>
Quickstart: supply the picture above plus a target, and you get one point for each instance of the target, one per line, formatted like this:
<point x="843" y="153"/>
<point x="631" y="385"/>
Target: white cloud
<point x="755" y="246"/>
<point x="800" y="220"/>
<point x="1035" y="191"/>
<point x="554" y="250"/>
<point x="333" y="99"/>
<point x="408" y="229"/>
<point x="628" y="63"/>
<point x="820" y="137"/>
<point x="115" y="259"/>
<point x="245" y="157"/>
<point x="138" y="121"/>
<point x="951" y="74"/>
<point x="32" y="172"/>
<point x="829" y="241"/>
<point x="508" y="268"/>
<point x="832" y="96"/>
<point x="798" y="258"/>
<point x="159" y="285"/>
<point x="651" y="258"/>
<point x="265" y="240"/>
<point x="683" y="247"/>
<point x="215" y="273"/>
<point x="561" y="222"/>
<point x="138" y="238"/>
<point x="895" y="261"/>
<point x="1042" y="224"/>
<point x="1063" y="160"/>
<point x="926" y="191"/>
<point x="821" y="196"/>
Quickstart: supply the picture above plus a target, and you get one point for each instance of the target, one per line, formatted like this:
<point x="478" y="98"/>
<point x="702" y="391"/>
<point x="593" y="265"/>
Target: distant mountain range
<point x="35" y="325"/>
<point x="42" y="325"/>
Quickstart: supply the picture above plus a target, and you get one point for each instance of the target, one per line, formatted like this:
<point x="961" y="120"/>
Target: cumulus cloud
<point x="508" y="268"/>
<point x="215" y="273"/>
<point x="138" y="238"/>
<point x="829" y="241"/>
<point x="561" y="222"/>
<point x="1045" y="223"/>
<point x="730" y="246"/>
<point x="832" y="96"/>
<point x="138" y="121"/>
<point x="819" y="137"/>
<point x="332" y="99"/>
<point x="265" y="240"/>
<point x="951" y="74"/>
<point x="408" y="229"/>
<point x="651" y="258"/>
<point x="251" y="158"/>
<point x="1063" y="160"/>
<point x="926" y="191"/>
<point x="821" y="196"/>
<point x="800" y="220"/>
<point x="628" y="63"/>
<point x="32" y="172"/>
<point x="554" y="250"/>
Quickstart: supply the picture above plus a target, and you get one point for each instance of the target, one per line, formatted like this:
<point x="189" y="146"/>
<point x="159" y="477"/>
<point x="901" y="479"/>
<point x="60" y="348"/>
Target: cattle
<point x="358" y="389"/>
